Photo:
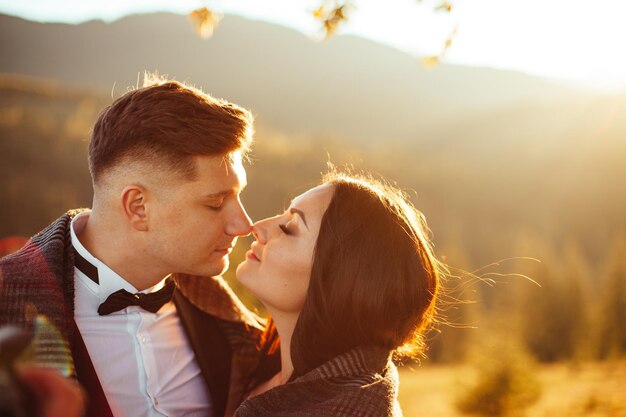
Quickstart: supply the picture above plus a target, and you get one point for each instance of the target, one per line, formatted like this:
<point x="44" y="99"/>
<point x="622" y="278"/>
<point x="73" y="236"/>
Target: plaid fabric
<point x="360" y="383"/>
<point x="37" y="293"/>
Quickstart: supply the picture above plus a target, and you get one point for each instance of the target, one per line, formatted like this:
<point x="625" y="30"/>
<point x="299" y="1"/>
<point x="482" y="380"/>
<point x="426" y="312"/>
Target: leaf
<point x="331" y="14"/>
<point x="444" y="6"/>
<point x="450" y="39"/>
<point x="204" y="21"/>
<point x="320" y="12"/>
<point x="430" y="62"/>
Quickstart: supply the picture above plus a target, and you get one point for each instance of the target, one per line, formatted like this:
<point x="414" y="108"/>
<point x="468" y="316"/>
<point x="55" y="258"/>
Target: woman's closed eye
<point x="285" y="229"/>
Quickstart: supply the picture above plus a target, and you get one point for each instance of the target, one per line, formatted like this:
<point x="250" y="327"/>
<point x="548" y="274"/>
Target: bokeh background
<point x="503" y="120"/>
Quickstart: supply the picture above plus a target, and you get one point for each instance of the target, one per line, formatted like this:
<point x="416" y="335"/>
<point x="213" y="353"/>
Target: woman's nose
<point x="261" y="230"/>
<point x="258" y="233"/>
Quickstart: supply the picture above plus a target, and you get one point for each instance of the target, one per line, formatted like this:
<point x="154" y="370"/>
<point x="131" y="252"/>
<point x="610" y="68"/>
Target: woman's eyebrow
<point x="294" y="210"/>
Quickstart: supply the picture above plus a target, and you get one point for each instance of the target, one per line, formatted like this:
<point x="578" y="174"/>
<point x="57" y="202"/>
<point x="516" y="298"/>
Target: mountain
<point x="346" y="87"/>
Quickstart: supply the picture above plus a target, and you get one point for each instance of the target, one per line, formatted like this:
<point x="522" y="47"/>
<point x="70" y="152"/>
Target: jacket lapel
<point x="97" y="404"/>
<point x="212" y="351"/>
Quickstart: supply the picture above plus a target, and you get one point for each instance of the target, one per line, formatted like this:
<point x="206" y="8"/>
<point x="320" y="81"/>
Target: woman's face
<point x="277" y="267"/>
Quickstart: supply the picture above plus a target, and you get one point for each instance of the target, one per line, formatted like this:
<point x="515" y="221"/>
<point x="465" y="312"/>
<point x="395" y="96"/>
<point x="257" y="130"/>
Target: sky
<point x="576" y="41"/>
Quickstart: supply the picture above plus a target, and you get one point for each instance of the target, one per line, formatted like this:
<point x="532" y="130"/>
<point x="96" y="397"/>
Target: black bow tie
<point x="152" y="302"/>
<point x="121" y="299"/>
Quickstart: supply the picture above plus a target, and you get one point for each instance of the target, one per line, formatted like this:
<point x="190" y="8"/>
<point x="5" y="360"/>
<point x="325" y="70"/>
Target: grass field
<point x="568" y="390"/>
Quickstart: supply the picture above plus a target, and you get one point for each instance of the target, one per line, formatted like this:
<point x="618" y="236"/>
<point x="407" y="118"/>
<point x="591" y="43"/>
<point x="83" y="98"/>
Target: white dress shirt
<point x="143" y="360"/>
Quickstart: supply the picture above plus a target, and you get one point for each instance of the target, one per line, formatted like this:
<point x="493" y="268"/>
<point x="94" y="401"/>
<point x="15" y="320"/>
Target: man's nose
<point x="240" y="225"/>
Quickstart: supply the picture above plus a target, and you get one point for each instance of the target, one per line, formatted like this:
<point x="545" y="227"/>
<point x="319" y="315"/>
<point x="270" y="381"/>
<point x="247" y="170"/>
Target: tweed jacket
<point x="362" y="382"/>
<point x="37" y="293"/>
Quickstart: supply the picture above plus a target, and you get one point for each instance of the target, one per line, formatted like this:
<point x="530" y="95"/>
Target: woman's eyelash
<point x="284" y="229"/>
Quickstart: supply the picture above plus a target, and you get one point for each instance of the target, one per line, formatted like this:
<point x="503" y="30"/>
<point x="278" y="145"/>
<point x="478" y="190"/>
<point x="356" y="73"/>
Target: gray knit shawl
<point x="360" y="383"/>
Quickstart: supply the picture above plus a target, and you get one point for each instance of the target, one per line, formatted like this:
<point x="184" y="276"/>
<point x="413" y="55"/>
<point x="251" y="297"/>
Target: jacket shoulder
<point x="368" y="395"/>
<point x="213" y="296"/>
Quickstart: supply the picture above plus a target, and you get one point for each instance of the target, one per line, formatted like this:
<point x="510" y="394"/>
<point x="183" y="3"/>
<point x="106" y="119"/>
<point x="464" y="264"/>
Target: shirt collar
<point x="109" y="280"/>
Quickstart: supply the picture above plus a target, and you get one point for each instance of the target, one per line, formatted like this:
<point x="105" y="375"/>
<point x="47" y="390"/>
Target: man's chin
<point x="212" y="269"/>
<point x="218" y="268"/>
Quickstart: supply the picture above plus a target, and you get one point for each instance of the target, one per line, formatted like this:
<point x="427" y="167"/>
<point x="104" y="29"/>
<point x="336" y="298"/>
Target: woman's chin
<point x="242" y="271"/>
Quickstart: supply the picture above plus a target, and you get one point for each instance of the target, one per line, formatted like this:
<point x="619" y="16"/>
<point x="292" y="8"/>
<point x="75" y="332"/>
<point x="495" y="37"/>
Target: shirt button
<point x="143" y="339"/>
<point x="156" y="401"/>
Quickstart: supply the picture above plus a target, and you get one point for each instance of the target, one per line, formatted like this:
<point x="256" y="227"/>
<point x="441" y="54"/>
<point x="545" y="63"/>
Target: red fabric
<point x="11" y="244"/>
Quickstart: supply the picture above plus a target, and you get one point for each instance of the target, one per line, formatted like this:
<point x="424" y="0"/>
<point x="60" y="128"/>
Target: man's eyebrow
<point x="300" y="213"/>
<point x="236" y="190"/>
<point x="219" y="194"/>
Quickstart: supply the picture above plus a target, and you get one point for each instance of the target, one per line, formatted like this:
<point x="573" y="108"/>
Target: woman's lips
<point x="250" y="255"/>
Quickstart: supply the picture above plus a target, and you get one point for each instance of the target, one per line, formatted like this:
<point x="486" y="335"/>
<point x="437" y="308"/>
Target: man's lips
<point x="224" y="251"/>
<point x="226" y="248"/>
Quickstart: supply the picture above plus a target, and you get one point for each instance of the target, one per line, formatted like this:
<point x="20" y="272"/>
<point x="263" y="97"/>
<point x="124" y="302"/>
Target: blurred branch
<point x="433" y="60"/>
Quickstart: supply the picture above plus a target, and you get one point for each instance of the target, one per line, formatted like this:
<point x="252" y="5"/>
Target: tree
<point x="505" y="384"/>
<point x="611" y="338"/>
<point x="553" y="315"/>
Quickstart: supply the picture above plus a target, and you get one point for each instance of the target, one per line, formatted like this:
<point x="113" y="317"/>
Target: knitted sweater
<point x="362" y="382"/>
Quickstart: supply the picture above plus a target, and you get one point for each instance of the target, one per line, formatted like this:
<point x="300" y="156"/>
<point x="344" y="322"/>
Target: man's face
<point x="193" y="225"/>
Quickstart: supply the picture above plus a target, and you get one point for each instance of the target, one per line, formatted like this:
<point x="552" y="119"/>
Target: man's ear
<point x="134" y="207"/>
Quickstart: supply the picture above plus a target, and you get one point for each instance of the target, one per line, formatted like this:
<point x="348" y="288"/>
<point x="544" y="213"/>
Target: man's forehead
<point x="220" y="174"/>
<point x="238" y="168"/>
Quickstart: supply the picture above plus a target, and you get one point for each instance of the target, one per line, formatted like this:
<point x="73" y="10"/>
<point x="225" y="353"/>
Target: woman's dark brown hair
<point x="374" y="277"/>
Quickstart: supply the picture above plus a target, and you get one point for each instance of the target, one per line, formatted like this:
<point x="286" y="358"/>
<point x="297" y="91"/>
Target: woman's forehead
<point x="319" y="195"/>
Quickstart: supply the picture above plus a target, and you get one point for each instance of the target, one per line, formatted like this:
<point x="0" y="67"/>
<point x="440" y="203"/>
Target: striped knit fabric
<point x="360" y="383"/>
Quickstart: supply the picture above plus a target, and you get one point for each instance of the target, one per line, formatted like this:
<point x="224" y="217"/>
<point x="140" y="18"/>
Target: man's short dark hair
<point x="167" y="123"/>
